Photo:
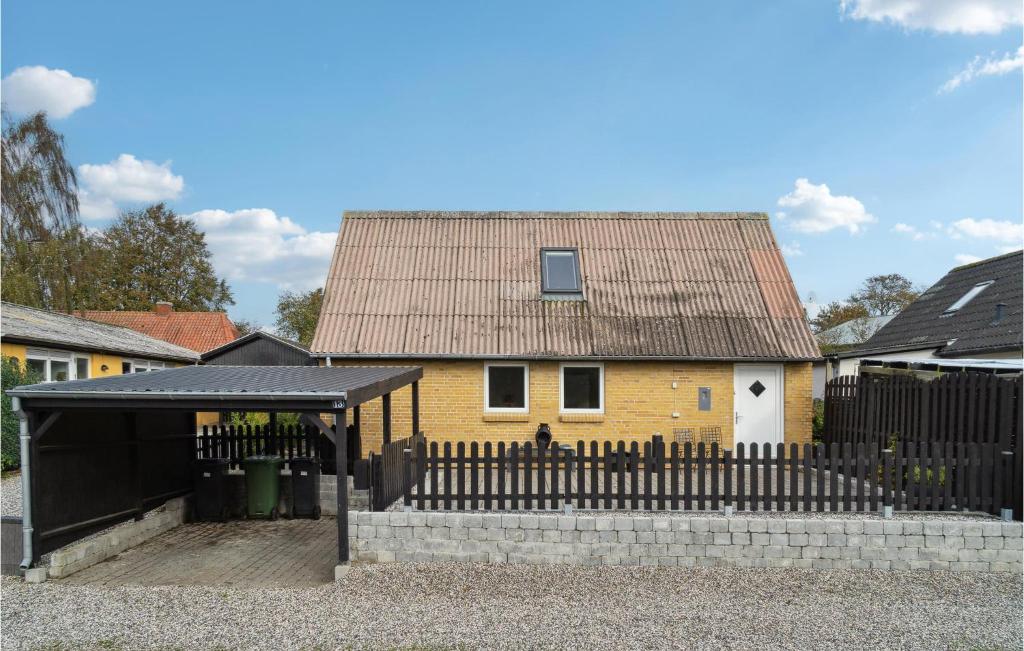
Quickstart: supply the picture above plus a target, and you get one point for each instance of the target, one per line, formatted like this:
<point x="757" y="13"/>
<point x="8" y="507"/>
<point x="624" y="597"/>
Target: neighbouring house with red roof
<point x="198" y="331"/>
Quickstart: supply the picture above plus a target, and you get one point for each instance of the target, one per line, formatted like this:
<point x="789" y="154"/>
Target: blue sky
<point x="887" y="134"/>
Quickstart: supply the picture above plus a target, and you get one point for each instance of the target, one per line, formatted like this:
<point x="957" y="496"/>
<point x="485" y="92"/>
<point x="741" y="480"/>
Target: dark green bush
<point x="818" y="421"/>
<point x="11" y="375"/>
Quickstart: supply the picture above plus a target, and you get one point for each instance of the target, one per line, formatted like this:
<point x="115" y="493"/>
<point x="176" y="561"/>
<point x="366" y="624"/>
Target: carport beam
<point x="341" y="465"/>
<point x="386" y="415"/>
<point x="415" y="408"/>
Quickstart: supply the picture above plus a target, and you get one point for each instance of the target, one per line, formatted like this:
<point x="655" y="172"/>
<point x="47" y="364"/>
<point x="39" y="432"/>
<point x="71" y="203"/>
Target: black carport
<point x="97" y="452"/>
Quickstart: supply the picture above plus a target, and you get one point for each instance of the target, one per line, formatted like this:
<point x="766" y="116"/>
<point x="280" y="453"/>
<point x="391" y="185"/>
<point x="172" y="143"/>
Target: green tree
<point x="154" y="255"/>
<point x="884" y="295"/>
<point x="245" y="326"/>
<point x="11" y="375"/>
<point x="297" y="314"/>
<point x="835" y="313"/>
<point x="49" y="260"/>
<point x="40" y="190"/>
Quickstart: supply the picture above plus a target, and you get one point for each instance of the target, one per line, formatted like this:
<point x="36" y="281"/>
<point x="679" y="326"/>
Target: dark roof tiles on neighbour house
<point x="468" y="284"/>
<point x="972" y="329"/>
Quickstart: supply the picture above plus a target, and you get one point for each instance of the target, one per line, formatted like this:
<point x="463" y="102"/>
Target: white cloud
<point x="985" y="68"/>
<point x="966" y="258"/>
<point x="908" y="230"/>
<point x="1005" y="232"/>
<point x="37" y="88"/>
<point x="792" y="249"/>
<point x="125" y="179"/>
<point x="814" y="209"/>
<point x="258" y="245"/>
<point x="945" y="16"/>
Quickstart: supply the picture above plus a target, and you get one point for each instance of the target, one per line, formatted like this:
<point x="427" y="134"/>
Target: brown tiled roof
<point x="467" y="284"/>
<point x="198" y="331"/>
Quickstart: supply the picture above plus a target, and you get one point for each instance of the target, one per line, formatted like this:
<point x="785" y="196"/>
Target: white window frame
<point x="88" y="366"/>
<point x="47" y="356"/>
<point x="147" y="364"/>
<point x="561" y="387"/>
<point x="526" y="393"/>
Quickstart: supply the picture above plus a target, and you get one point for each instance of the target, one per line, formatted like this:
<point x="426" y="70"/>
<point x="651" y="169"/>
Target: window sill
<point x="498" y="417"/>
<point x="581" y="418"/>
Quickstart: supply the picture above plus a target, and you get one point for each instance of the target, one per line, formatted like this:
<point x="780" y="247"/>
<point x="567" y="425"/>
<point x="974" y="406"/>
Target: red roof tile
<point x="198" y="331"/>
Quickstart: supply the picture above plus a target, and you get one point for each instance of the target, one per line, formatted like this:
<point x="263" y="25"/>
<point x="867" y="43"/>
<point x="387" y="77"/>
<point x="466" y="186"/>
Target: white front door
<point x="759" y="391"/>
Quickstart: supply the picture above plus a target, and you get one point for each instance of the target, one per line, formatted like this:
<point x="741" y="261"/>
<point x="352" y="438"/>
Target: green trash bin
<point x="262" y="485"/>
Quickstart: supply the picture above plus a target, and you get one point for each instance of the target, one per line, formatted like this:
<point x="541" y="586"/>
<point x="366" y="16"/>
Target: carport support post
<point x="341" y="463"/>
<point x="415" y="408"/>
<point x="386" y="415"/>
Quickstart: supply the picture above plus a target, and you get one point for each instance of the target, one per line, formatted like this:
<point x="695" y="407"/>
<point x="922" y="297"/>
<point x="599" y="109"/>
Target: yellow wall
<point x="96" y="360"/>
<point x="13" y="350"/>
<point x="639" y="402"/>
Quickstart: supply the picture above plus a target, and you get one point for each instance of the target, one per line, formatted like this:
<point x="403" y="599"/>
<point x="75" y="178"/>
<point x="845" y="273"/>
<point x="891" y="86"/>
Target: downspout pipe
<point x="26" y="483"/>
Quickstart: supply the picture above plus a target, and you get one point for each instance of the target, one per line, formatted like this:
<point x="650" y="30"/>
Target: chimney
<point x="1000" y="310"/>
<point x="163" y="308"/>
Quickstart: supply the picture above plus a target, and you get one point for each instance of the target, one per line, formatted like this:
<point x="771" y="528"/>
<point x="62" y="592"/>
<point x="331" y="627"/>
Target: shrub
<point x="11" y="375"/>
<point x="818" y="421"/>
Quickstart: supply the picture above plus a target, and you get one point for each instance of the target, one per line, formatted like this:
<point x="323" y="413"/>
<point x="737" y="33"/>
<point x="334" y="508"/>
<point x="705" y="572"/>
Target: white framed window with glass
<point x="56" y="365"/>
<point x="581" y="388"/>
<point x="141" y="366"/>
<point x="507" y="387"/>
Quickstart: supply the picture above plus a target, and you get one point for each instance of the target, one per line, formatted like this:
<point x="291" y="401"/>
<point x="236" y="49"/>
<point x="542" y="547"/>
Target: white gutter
<point x="26" y="484"/>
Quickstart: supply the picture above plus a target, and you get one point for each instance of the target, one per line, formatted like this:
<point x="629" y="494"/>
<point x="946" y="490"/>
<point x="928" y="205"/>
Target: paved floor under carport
<point x="242" y="553"/>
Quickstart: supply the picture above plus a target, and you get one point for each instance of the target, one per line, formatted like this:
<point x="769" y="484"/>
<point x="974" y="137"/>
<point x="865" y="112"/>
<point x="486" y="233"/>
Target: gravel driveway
<point x="10" y="494"/>
<point x="471" y="606"/>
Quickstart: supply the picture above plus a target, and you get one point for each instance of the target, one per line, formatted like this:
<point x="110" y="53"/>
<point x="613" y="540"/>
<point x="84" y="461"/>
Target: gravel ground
<point x="480" y="606"/>
<point x="10" y="494"/>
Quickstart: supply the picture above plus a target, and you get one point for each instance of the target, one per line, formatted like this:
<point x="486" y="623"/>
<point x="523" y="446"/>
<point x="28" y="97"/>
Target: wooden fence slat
<point x="527" y="491"/>
<point x="421" y="464"/>
<point x="780" y="476"/>
<point x="833" y="477"/>
<point x="648" y="463"/>
<point x="434" y="489"/>
<point x="741" y="477"/>
<point x="581" y="473"/>
<point x="488" y="475"/>
<point x="447" y="494"/>
<point x="675" y="476"/>
<point x="620" y="474"/>
<point x="754" y="484"/>
<point x="514" y="474"/>
<point x="807" y="477"/>
<point x="714" y="476"/>
<point x="794" y="477"/>
<point x="688" y="476"/>
<point x="634" y="476"/>
<point x="659" y="454"/>
<point x="607" y="475"/>
<point x="502" y="488"/>
<point x="861" y="476"/>
<point x="727" y="477"/>
<point x="701" y="481"/>
<point x="474" y="476"/>
<point x="766" y="461"/>
<point x="819" y="471"/>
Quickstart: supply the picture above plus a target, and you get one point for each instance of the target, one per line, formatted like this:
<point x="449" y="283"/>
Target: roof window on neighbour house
<point x="967" y="298"/>
<point x="560" y="273"/>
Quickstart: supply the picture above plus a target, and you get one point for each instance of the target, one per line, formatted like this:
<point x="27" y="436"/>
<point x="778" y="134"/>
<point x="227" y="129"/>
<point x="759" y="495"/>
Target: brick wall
<point x="639" y="402"/>
<point x="686" y="540"/>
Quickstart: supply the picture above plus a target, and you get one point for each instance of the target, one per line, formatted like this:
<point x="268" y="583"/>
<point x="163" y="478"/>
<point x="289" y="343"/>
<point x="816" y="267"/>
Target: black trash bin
<point x="305" y="487"/>
<point x="211" y="490"/>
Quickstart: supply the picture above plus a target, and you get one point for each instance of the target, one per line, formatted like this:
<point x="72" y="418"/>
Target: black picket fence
<point x="389" y="478"/>
<point x="913" y="477"/>
<point x="236" y="442"/>
<point x="954" y="408"/>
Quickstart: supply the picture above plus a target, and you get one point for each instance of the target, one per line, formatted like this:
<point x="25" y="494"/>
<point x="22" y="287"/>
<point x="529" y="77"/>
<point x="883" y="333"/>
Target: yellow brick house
<point x="605" y="326"/>
<point x="62" y="347"/>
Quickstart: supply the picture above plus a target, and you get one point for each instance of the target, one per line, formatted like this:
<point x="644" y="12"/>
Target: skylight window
<point x="967" y="298"/>
<point x="560" y="271"/>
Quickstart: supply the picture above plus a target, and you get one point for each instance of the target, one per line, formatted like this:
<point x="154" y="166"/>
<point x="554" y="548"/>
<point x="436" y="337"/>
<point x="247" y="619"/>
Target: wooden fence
<point x="389" y="476"/>
<point x="913" y="477"/>
<point x="954" y="408"/>
<point x="235" y="443"/>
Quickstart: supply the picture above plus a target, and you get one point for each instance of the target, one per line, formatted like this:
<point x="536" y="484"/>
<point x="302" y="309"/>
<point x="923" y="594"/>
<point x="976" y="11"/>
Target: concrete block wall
<point x="86" y="553"/>
<point x="681" y="540"/>
<point x="329" y="495"/>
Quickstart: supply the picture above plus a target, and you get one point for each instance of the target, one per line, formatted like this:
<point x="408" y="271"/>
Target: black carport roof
<point x="213" y="388"/>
